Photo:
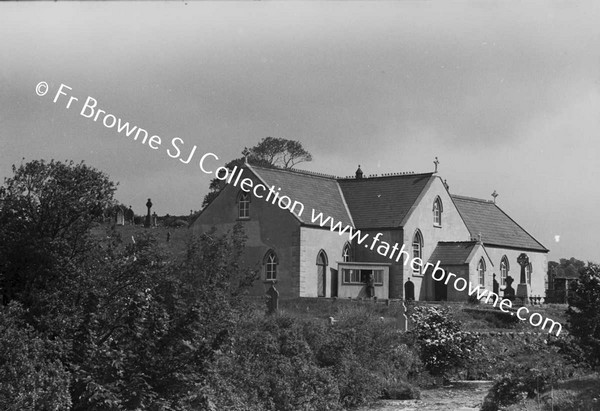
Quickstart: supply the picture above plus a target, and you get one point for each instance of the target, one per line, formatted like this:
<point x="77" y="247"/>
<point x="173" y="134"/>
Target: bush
<point x="31" y="376"/>
<point x="443" y="345"/>
<point x="584" y="313"/>
<point x="517" y="386"/>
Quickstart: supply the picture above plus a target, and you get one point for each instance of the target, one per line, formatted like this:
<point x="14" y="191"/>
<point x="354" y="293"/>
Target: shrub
<point x="517" y="386"/>
<point x="443" y="345"/>
<point x="584" y="313"/>
<point x="31" y="376"/>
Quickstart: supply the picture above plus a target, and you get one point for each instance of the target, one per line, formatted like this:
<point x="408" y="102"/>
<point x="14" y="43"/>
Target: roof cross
<point x="436" y="162"/>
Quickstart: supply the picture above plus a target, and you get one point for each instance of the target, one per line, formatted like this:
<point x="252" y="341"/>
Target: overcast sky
<point x="506" y="94"/>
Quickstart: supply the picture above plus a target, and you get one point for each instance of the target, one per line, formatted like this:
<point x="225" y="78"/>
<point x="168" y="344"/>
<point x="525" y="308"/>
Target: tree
<point x="279" y="152"/>
<point x="584" y="312"/>
<point x="269" y="152"/>
<point x="46" y="212"/>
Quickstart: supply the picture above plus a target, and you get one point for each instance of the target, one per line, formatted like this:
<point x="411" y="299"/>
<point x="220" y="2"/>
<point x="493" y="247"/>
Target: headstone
<point x="523" y="287"/>
<point x="120" y="217"/>
<point x="495" y="286"/>
<point x="129" y="216"/>
<point x="148" y="222"/>
<point x="272" y="300"/>
<point x="154" y="220"/>
<point x="403" y="318"/>
<point x="509" y="291"/>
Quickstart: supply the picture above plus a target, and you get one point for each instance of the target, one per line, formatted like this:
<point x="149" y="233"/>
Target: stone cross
<point x="436" y="162"/>
<point x="523" y="261"/>
<point x="273" y="300"/>
<point x="148" y="221"/>
<point x="494" y="194"/>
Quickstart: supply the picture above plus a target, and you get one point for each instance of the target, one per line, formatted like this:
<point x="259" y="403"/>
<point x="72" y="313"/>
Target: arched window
<point x="481" y="272"/>
<point x="347" y="253"/>
<point x="322" y="262"/>
<point x="437" y="212"/>
<point x="270" y="262"/>
<point x="504" y="268"/>
<point x="243" y="205"/>
<point x="417" y="247"/>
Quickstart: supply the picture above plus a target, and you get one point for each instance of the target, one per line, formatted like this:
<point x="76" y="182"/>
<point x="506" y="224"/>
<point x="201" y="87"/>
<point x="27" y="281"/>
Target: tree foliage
<point x="46" y="212"/>
<point x="269" y="152"/>
<point x="584" y="312"/>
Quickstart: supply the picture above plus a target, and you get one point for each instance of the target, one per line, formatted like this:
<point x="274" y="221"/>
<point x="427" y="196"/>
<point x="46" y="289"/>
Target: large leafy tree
<point x="269" y="152"/>
<point x="46" y="212"/>
<point x="584" y="312"/>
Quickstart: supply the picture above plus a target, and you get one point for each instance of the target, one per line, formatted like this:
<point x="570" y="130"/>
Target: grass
<point x="582" y="393"/>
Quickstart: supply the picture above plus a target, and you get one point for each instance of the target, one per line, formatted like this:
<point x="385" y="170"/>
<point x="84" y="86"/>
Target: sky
<point x="505" y="94"/>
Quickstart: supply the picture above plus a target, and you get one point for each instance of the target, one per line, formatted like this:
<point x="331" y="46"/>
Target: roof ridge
<point x="481" y="200"/>
<point x="387" y="175"/>
<point x="297" y="171"/>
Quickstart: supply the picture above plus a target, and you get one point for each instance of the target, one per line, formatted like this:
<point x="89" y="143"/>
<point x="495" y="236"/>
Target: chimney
<point x="359" y="173"/>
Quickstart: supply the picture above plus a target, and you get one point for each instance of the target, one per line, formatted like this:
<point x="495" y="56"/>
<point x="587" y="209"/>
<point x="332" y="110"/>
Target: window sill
<point x="437" y="225"/>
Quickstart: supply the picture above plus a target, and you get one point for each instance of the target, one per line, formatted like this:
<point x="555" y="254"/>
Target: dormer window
<point x="437" y="212"/>
<point x="244" y="205"/>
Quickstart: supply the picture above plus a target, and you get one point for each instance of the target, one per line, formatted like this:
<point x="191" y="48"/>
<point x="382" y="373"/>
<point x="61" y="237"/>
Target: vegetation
<point x="89" y="323"/>
<point x="269" y="152"/>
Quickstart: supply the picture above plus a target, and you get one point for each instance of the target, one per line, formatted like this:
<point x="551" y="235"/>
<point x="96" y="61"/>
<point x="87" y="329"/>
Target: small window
<point x="270" y="262"/>
<point x="503" y="271"/>
<point x="360" y="276"/>
<point x="481" y="272"/>
<point x="417" y="247"/>
<point x="244" y="205"/>
<point x="437" y="212"/>
<point x="347" y="253"/>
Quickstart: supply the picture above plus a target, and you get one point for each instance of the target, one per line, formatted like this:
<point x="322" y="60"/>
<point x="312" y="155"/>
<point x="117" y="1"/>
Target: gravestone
<point x="509" y="291"/>
<point x="129" y="216"/>
<point x="120" y="217"/>
<point x="148" y="216"/>
<point x="272" y="300"/>
<point x="154" y="220"/>
<point x="403" y="318"/>
<point x="495" y="286"/>
<point x="523" y="287"/>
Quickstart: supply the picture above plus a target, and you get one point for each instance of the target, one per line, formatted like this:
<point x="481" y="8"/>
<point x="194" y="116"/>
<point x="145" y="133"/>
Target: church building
<point x="325" y="257"/>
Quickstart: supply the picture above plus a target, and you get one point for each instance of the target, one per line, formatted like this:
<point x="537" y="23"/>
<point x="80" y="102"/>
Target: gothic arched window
<point x="417" y="247"/>
<point x="504" y="268"/>
<point x="243" y="205"/>
<point x="270" y="262"/>
<point x="437" y="212"/>
<point x="347" y="253"/>
<point x="481" y="272"/>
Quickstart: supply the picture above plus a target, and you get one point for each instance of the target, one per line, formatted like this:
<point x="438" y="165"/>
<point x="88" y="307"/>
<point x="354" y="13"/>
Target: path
<point x="459" y="396"/>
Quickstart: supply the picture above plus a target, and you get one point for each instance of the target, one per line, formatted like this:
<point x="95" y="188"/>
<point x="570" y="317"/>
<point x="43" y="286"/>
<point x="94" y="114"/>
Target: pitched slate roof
<point x="452" y="253"/>
<point x="382" y="202"/>
<point x="486" y="218"/>
<point x="315" y="191"/>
